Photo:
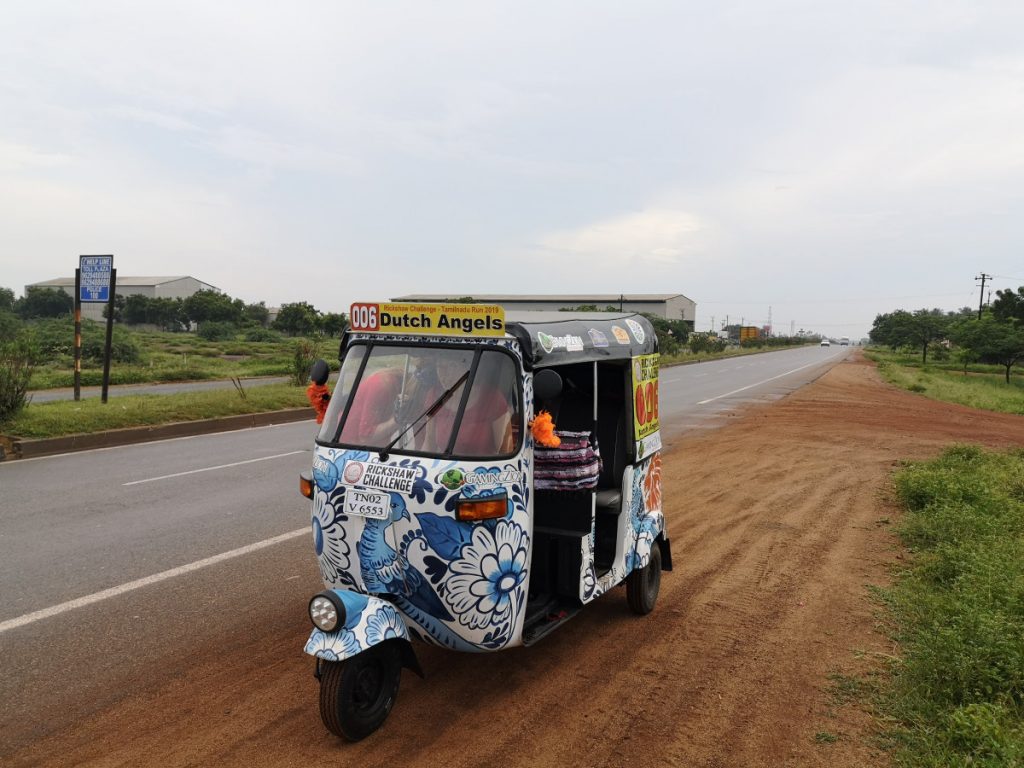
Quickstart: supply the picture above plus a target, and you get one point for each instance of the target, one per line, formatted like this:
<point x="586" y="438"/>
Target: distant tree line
<point x="995" y="335"/>
<point x="214" y="315"/>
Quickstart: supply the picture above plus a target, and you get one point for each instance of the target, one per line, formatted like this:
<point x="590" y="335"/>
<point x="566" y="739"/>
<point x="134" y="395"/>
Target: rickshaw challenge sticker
<point x="382" y="477"/>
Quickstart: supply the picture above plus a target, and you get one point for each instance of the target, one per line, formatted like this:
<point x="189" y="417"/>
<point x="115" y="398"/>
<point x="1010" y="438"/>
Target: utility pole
<point x="981" y="299"/>
<point x="712" y="323"/>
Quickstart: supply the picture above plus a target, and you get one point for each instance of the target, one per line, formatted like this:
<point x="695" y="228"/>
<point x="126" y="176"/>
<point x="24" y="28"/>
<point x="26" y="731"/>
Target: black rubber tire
<point x="357" y="695"/>
<point x="642" y="584"/>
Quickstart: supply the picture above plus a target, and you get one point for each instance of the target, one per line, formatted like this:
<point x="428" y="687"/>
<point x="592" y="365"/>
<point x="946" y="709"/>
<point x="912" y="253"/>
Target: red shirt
<point x="374" y="404"/>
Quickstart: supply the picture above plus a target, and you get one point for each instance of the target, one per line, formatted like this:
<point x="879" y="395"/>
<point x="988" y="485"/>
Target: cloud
<point x="661" y="235"/>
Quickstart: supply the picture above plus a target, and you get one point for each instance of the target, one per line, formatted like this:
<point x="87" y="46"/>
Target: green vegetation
<point x="994" y="335"/>
<point x="952" y="378"/>
<point x="68" y="417"/>
<point x="957" y="694"/>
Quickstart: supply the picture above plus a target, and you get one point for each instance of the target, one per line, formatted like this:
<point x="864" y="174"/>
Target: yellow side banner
<point x="428" y="319"/>
<point x="645" y="396"/>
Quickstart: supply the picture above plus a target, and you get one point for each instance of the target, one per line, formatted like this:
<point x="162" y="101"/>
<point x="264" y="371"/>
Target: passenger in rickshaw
<point x="486" y="427"/>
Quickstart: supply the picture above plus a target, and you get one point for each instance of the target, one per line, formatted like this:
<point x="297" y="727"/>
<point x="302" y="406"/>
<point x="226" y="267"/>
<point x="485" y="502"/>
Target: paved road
<point x="203" y="542"/>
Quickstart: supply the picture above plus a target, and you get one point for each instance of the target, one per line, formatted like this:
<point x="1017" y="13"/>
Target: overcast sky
<point x="824" y="161"/>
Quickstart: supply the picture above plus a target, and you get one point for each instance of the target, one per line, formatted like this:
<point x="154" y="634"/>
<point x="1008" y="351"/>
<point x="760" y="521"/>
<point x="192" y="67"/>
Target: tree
<point x="1009" y="305"/>
<point x="44" y="302"/>
<point x="6" y="300"/>
<point x="334" y="323"/>
<point x="918" y="329"/>
<point x="211" y="305"/>
<point x="119" y="303"/>
<point x="891" y="329"/>
<point x="257" y="314"/>
<point x="298" y="319"/>
<point x="992" y="341"/>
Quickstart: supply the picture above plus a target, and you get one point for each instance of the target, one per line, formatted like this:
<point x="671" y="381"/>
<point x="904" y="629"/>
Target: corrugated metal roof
<point x="123" y="281"/>
<point x="589" y="298"/>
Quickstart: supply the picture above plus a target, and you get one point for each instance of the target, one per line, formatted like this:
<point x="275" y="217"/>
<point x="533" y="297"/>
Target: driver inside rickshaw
<point x="418" y="408"/>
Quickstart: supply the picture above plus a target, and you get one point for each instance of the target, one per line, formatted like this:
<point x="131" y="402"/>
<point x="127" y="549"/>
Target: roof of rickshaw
<point x="559" y="338"/>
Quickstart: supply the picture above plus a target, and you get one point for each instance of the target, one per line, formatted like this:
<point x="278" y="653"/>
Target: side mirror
<point x="319" y="372"/>
<point x="547" y="384"/>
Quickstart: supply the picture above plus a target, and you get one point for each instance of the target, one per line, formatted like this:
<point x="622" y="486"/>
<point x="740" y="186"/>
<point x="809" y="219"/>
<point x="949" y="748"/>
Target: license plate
<point x="367" y="504"/>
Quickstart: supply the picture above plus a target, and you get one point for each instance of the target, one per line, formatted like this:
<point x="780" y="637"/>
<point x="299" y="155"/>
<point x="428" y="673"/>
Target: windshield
<point x="461" y="402"/>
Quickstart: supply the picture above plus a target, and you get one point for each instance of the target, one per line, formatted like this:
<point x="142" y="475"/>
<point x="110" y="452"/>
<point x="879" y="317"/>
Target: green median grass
<point x="956" y="693"/>
<point x="91" y="415"/>
<point x="981" y="386"/>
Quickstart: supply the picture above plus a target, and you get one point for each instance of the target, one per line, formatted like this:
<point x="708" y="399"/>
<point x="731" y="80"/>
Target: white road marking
<point x="210" y="469"/>
<point x="96" y="597"/>
<point x="749" y="386"/>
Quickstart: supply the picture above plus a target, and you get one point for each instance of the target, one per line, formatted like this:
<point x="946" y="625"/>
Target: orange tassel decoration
<point x="319" y="397"/>
<point x="543" y="429"/>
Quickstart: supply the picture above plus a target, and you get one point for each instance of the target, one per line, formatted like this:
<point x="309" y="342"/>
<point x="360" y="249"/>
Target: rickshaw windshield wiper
<point x="433" y="408"/>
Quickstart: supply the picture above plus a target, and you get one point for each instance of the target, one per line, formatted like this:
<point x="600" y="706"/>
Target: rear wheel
<point x="356" y="695"/>
<point x="642" y="584"/>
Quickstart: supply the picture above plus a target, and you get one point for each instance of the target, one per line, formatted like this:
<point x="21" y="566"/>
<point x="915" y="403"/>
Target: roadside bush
<point x="217" y="331"/>
<point x="262" y="334"/>
<point x="17" y="359"/>
<point x="704" y="342"/>
<point x="305" y="352"/>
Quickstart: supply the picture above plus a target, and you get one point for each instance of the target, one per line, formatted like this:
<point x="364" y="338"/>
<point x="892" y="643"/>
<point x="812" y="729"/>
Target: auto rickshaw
<point x="477" y="479"/>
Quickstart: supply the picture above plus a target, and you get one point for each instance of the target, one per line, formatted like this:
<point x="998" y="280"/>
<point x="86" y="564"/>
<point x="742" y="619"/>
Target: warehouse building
<point x="152" y="287"/>
<point x="671" y="306"/>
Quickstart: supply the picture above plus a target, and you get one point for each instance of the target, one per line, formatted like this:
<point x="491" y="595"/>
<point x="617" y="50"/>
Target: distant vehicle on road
<point x="826" y="343"/>
<point x="844" y="342"/>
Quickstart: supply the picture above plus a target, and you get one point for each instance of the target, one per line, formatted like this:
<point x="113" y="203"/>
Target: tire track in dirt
<point x="777" y="526"/>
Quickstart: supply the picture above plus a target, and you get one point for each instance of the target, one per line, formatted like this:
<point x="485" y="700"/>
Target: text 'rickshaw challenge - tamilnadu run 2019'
<point x="477" y="479"/>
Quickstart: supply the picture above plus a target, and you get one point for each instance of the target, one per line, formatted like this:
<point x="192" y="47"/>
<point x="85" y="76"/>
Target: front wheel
<point x="356" y="695"/>
<point x="642" y="584"/>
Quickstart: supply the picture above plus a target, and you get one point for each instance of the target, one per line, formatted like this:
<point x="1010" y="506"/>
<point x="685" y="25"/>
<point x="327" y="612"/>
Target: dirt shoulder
<point x="778" y="521"/>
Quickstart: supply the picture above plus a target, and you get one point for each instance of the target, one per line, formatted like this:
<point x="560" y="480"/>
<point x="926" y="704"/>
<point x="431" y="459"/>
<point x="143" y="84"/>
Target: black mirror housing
<point x="547" y="384"/>
<point x="319" y="372"/>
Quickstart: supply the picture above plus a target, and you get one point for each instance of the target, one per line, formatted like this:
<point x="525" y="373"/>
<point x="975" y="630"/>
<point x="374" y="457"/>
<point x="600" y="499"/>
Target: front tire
<point x="356" y="695"/>
<point x="642" y="584"/>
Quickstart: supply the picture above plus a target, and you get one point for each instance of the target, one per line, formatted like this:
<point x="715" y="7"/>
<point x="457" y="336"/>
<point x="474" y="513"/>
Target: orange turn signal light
<point x="306" y="485"/>
<point x="481" y="509"/>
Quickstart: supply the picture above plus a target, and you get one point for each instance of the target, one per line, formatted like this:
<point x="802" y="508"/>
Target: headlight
<point x="326" y="612"/>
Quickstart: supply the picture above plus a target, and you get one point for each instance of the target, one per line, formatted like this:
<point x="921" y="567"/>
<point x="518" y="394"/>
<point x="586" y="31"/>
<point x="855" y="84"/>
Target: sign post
<point x="95" y="282"/>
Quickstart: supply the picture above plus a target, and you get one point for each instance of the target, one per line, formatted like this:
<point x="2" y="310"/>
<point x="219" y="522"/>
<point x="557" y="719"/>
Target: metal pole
<point x="110" y="333"/>
<point x="78" y="334"/>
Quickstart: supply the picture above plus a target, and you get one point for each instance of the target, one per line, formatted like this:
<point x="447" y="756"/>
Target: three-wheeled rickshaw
<point x="477" y="479"/>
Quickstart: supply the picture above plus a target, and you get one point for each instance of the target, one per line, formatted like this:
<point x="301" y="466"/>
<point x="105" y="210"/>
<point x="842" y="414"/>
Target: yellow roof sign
<point x="462" y="320"/>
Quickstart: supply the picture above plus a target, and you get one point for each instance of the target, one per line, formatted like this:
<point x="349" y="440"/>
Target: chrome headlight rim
<point x="326" y="611"/>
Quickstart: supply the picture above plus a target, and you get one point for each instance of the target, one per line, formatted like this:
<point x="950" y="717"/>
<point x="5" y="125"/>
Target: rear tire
<point x="642" y="584"/>
<point x="356" y="695"/>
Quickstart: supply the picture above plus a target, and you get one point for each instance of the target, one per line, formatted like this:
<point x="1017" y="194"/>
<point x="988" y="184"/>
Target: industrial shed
<point x="180" y="287"/>
<point x="671" y="306"/>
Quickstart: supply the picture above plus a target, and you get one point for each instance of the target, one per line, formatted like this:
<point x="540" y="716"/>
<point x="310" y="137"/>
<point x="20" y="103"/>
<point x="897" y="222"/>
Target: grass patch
<point x="981" y="386"/>
<point x="68" y="417"/>
<point x="166" y="357"/>
<point x="957" y="695"/>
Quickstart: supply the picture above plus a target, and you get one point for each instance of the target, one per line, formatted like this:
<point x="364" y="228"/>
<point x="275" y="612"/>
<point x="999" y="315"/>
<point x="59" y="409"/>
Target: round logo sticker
<point x="637" y="329"/>
<point x="353" y="472"/>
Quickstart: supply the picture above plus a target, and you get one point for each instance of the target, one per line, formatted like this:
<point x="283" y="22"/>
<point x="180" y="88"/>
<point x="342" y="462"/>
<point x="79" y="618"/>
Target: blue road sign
<point x="95" y="277"/>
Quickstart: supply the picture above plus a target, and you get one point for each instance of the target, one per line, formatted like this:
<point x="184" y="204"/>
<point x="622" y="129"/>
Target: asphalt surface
<point x="83" y="527"/>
